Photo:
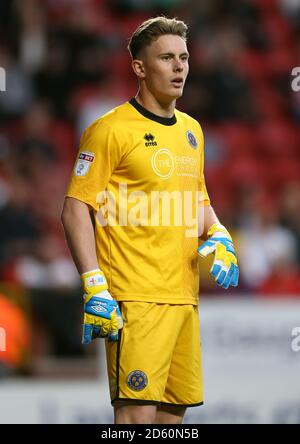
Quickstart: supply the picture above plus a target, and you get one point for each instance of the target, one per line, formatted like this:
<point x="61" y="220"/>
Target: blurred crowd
<point x="66" y="64"/>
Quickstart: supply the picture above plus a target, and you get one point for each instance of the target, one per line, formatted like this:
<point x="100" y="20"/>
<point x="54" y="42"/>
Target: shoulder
<point x="189" y="123"/>
<point x="187" y="120"/>
<point x="117" y="115"/>
<point x="110" y="122"/>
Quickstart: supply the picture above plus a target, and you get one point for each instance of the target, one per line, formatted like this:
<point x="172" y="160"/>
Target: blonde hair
<point x="152" y="29"/>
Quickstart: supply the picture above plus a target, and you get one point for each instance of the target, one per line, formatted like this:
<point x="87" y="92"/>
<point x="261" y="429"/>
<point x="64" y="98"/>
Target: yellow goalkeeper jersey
<point x="142" y="174"/>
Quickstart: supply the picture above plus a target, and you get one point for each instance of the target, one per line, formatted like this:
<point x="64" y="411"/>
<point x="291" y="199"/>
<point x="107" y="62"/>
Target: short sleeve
<point x="203" y="196"/>
<point x="98" y="156"/>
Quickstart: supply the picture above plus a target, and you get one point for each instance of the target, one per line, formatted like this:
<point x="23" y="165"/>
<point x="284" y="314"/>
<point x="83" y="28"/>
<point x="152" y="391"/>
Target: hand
<point x="224" y="270"/>
<point x="102" y="316"/>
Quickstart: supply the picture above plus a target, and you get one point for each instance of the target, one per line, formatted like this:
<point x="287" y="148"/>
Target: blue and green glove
<point x="102" y="316"/>
<point x="224" y="270"/>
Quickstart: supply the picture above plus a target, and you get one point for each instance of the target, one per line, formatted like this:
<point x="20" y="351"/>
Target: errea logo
<point x="149" y="140"/>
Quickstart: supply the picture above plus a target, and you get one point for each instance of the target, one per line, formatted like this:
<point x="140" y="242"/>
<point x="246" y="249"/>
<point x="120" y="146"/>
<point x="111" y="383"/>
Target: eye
<point x="166" y="57"/>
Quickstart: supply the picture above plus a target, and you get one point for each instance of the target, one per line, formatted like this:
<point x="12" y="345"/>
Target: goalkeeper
<point x="139" y="274"/>
<point x="102" y="316"/>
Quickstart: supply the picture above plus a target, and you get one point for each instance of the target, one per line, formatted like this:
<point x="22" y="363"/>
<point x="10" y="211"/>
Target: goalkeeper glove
<point x="102" y="316"/>
<point x="224" y="270"/>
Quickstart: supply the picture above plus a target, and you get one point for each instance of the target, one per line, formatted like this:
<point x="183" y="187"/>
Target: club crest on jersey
<point x="137" y="380"/>
<point x="84" y="161"/>
<point x="149" y="140"/>
<point x="191" y="139"/>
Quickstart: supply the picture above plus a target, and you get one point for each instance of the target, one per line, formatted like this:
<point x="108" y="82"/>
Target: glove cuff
<point x="93" y="282"/>
<point x="218" y="228"/>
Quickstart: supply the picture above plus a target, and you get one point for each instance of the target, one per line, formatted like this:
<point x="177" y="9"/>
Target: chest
<point x="161" y="159"/>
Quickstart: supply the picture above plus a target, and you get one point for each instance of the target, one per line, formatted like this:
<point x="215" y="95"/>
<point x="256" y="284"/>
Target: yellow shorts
<point x="157" y="358"/>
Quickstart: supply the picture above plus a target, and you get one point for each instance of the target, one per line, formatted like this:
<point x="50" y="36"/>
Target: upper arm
<point x="98" y="156"/>
<point x="203" y="197"/>
<point x="74" y="208"/>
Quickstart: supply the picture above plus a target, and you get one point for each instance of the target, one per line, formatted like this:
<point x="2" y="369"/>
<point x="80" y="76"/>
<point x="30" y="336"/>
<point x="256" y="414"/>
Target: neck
<point x="154" y="105"/>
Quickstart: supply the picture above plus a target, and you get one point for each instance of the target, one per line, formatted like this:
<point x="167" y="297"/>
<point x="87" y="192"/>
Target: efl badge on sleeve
<point x="84" y="161"/>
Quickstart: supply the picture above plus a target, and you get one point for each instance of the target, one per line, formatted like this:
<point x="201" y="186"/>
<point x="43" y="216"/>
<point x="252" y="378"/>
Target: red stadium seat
<point x="277" y="139"/>
<point x="269" y="103"/>
<point x="280" y="61"/>
<point x="278" y="30"/>
<point x="253" y="65"/>
<point x="239" y="138"/>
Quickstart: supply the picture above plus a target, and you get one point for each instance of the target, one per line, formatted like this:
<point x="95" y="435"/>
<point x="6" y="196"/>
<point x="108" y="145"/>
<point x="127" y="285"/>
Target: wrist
<point x="218" y="230"/>
<point x="102" y="295"/>
<point x="93" y="282"/>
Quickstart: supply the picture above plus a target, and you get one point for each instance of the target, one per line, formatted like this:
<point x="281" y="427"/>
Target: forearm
<point x="79" y="232"/>
<point x="207" y="217"/>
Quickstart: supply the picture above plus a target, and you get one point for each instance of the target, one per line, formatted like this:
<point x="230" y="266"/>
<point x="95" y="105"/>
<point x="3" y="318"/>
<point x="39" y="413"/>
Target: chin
<point x="173" y="95"/>
<point x="176" y="94"/>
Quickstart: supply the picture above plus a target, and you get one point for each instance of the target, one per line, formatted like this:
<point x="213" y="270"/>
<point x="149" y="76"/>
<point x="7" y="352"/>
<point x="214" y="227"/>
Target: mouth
<point x="177" y="82"/>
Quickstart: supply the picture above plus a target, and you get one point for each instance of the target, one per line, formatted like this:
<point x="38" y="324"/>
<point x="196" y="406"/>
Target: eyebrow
<point x="172" y="54"/>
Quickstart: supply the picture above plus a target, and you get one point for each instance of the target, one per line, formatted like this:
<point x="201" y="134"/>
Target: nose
<point x="178" y="65"/>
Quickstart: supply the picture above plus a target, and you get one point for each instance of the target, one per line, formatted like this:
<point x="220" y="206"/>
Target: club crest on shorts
<point x="137" y="380"/>
<point x="191" y="139"/>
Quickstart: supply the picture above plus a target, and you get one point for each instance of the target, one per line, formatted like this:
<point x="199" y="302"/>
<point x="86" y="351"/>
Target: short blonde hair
<point x="152" y="29"/>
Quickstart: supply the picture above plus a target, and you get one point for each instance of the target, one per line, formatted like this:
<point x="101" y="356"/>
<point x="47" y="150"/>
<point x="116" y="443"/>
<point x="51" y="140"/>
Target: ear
<point x="138" y="68"/>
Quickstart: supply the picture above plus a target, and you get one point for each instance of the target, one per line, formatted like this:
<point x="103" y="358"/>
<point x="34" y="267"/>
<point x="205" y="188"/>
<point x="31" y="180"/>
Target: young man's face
<point x="166" y="67"/>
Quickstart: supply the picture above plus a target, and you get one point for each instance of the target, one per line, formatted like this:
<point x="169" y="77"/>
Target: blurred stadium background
<point x="66" y="63"/>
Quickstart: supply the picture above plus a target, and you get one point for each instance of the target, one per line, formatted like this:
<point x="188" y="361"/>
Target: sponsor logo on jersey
<point x="162" y="163"/>
<point x="137" y="380"/>
<point x="89" y="157"/>
<point x="191" y="139"/>
<point x="149" y="140"/>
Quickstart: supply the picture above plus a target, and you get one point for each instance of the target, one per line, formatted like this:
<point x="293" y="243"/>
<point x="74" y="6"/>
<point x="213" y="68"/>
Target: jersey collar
<point x="149" y="115"/>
